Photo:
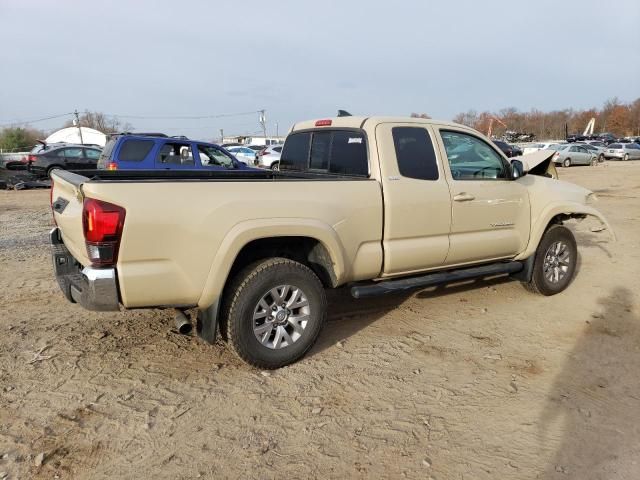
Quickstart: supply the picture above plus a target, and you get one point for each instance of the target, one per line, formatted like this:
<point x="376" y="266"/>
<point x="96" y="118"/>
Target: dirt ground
<point x="478" y="381"/>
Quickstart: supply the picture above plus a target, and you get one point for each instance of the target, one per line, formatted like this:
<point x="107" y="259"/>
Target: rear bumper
<point x="93" y="288"/>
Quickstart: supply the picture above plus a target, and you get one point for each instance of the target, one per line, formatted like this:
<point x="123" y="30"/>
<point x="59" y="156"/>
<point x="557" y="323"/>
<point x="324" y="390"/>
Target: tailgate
<point x="67" y="200"/>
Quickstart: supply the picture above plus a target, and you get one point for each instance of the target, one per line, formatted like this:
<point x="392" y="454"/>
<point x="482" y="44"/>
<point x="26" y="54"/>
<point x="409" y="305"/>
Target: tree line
<point x="616" y="117"/>
<point x="621" y="119"/>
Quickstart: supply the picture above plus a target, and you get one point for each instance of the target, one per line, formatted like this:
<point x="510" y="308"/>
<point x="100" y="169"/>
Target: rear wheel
<point x="594" y="162"/>
<point x="626" y="157"/>
<point x="566" y="163"/>
<point x="555" y="263"/>
<point x="274" y="311"/>
<point x="601" y="157"/>
<point x="275" y="166"/>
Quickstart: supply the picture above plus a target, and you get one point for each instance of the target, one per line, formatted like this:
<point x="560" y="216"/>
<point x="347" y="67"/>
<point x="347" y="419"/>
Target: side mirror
<point x="517" y="169"/>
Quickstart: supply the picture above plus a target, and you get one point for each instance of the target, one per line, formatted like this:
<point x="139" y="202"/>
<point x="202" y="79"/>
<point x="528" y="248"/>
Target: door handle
<point x="463" y="197"/>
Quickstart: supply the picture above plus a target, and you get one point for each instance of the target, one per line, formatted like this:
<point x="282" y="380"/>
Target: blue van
<point x="157" y="151"/>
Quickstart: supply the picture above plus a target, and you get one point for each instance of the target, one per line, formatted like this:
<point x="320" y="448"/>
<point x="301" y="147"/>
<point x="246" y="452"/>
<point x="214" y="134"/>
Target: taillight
<point x="323" y="123"/>
<point x="264" y="152"/>
<point x="102" y="223"/>
<point x="112" y="166"/>
<point x="31" y="158"/>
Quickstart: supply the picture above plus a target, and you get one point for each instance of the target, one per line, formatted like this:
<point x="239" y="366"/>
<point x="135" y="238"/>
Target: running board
<point x="394" y="286"/>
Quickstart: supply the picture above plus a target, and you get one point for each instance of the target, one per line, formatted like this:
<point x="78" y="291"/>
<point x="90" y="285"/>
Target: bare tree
<point x="101" y="122"/>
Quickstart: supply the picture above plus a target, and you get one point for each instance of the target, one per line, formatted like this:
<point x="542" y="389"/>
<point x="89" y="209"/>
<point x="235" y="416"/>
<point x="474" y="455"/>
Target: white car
<point x="537" y="146"/>
<point x="244" y="154"/>
<point x="270" y="157"/>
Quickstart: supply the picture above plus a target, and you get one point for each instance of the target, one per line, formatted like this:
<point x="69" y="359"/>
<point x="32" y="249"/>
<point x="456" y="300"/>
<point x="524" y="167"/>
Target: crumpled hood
<point x="539" y="163"/>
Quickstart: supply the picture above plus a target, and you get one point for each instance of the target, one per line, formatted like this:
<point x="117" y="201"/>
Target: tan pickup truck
<point x="382" y="204"/>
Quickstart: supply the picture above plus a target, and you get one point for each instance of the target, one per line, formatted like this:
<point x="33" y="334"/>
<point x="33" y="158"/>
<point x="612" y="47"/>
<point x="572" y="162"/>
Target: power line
<point x="36" y="120"/>
<point x="179" y="117"/>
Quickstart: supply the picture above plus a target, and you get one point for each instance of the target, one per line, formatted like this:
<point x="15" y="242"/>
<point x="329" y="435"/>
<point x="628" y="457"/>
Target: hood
<point x="538" y="163"/>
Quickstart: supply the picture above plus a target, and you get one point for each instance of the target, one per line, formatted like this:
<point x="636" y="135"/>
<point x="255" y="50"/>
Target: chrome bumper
<point x="93" y="288"/>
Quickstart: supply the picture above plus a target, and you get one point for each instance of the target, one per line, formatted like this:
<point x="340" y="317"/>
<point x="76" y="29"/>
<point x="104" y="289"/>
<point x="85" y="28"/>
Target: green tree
<point x="17" y="139"/>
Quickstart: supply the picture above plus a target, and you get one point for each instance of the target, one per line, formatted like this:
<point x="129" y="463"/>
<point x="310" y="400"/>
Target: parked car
<point x="595" y="147"/>
<point x="142" y="151"/>
<point x="536" y="147"/>
<point x="373" y="202"/>
<point x="623" y="151"/>
<point x="574" y="154"/>
<point x="596" y="150"/>
<point x="508" y="150"/>
<point x="244" y="154"/>
<point x="270" y="157"/>
<point x="606" y="137"/>
<point x="64" y="156"/>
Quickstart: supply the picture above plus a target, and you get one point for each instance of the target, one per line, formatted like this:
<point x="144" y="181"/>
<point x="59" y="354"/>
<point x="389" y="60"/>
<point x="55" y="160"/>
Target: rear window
<point x="135" y="150"/>
<point x="342" y="152"/>
<point x="414" y="152"/>
<point x="615" y="145"/>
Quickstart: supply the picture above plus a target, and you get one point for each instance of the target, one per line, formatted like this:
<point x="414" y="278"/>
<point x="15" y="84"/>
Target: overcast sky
<point x="299" y="59"/>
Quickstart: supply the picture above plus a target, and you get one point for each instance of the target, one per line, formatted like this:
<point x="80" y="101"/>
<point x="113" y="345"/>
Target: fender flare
<point x="244" y="232"/>
<point x="570" y="209"/>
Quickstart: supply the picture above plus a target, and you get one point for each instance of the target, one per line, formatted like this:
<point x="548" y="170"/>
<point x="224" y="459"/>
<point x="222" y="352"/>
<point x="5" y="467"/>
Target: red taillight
<point x="112" y="166"/>
<point x="31" y="158"/>
<point x="323" y="123"/>
<point x="264" y="152"/>
<point x="102" y="223"/>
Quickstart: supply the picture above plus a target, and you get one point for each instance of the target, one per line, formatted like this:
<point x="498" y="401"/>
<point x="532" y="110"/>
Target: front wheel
<point x="274" y="311"/>
<point x="594" y="162"/>
<point x="626" y="157"/>
<point x="601" y="157"/>
<point x="566" y="163"/>
<point x="555" y="263"/>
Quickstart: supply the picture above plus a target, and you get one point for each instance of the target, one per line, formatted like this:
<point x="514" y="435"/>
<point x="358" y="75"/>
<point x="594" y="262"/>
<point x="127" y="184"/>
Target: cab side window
<point x="471" y="158"/>
<point x="414" y="152"/>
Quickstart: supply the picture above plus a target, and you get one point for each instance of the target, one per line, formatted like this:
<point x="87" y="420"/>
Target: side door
<point x="490" y="212"/>
<point x="417" y="201"/>
<point x="74" y="157"/>
<point x="91" y="155"/>
<point x="584" y="156"/>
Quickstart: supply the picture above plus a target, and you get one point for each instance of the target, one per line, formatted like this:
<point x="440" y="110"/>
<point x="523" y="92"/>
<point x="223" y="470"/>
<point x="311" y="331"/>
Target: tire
<point x="566" y="163"/>
<point x="626" y="157"/>
<point x="594" y="162"/>
<point x="601" y="158"/>
<point x="548" y="277"/>
<point x="275" y="166"/>
<point x="250" y="311"/>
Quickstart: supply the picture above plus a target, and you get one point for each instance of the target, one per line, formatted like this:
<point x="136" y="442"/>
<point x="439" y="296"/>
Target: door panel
<point x="490" y="212"/>
<point x="417" y="212"/>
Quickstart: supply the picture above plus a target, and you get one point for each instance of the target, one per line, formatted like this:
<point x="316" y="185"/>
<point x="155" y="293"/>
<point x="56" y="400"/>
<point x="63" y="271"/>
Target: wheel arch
<point x="557" y="215"/>
<point x="308" y="241"/>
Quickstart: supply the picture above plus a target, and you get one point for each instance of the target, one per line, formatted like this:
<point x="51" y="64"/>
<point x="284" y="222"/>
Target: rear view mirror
<point x="517" y="169"/>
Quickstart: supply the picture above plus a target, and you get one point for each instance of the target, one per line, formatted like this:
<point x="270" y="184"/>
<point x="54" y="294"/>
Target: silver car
<point x="270" y="157"/>
<point x="571" y="154"/>
<point x="623" y="151"/>
<point x="594" y="148"/>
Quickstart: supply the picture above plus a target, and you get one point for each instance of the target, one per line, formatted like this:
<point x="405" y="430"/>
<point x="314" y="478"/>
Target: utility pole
<point x="263" y="122"/>
<point x="78" y="125"/>
<point x="277" y="135"/>
<point x="221" y="136"/>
